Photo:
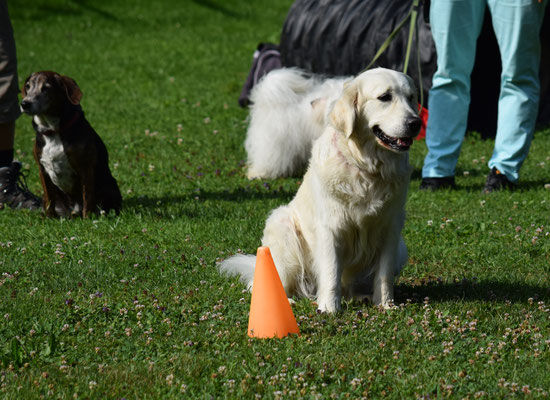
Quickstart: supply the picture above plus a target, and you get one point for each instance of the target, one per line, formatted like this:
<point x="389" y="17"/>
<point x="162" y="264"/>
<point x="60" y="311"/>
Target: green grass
<point x="133" y="307"/>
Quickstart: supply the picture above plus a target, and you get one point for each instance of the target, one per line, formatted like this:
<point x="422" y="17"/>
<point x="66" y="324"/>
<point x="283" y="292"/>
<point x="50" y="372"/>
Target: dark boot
<point x="13" y="189"/>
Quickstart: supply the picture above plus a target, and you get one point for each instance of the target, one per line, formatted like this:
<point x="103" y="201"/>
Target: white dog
<point x="288" y="112"/>
<point x="341" y="234"/>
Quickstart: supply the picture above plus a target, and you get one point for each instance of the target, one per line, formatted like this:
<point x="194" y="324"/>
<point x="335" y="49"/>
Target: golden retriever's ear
<point x="74" y="94"/>
<point x="343" y="114"/>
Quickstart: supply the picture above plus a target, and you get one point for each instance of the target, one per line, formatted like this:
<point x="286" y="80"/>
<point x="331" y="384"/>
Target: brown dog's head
<point x="47" y="92"/>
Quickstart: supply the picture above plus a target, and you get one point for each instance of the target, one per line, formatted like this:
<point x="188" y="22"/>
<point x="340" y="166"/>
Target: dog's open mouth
<point x="396" y="144"/>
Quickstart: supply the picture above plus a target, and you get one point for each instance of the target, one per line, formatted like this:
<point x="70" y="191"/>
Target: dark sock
<point x="6" y="157"/>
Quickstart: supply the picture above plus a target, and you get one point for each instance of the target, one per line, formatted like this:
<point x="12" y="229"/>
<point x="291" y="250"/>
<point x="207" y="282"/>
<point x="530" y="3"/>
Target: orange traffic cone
<point x="270" y="311"/>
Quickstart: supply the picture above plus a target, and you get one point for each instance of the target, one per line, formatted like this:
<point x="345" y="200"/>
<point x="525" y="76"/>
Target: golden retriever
<point x="341" y="234"/>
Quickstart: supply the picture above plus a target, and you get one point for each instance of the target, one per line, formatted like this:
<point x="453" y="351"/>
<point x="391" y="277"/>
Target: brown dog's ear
<point x="343" y="114"/>
<point x="74" y="94"/>
<point x="24" y="88"/>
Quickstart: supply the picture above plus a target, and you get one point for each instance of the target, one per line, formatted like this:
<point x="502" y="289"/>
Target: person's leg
<point x="455" y="26"/>
<point x="13" y="190"/>
<point x="9" y="105"/>
<point x="7" y="135"/>
<point x="517" y="25"/>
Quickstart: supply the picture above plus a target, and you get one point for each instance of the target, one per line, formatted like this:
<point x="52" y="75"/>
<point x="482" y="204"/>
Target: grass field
<point x="133" y="307"/>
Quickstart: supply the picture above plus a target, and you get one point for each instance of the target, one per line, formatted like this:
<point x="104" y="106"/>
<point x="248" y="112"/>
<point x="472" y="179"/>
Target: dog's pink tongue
<point x="405" y="142"/>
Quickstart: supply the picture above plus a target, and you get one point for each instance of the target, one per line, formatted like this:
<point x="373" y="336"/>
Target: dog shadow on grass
<point x="470" y="291"/>
<point x="199" y="203"/>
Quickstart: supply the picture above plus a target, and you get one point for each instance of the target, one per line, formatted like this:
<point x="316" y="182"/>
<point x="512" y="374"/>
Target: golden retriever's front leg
<point x="328" y="273"/>
<point x="392" y="259"/>
<point x="383" y="289"/>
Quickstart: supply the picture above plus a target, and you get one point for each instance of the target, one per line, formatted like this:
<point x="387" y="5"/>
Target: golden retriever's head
<point x="379" y="104"/>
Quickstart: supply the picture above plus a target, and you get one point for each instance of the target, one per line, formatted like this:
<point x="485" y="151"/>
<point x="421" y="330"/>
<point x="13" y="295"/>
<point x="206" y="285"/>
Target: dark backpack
<point x="266" y="58"/>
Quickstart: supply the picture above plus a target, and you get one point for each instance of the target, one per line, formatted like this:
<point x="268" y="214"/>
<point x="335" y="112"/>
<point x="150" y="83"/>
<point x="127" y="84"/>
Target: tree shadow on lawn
<point x="93" y="9"/>
<point x="217" y="7"/>
<point x="45" y="11"/>
<point x="521" y="186"/>
<point x="158" y="205"/>
<point x="459" y="173"/>
<point x="469" y="290"/>
<point x="463" y="183"/>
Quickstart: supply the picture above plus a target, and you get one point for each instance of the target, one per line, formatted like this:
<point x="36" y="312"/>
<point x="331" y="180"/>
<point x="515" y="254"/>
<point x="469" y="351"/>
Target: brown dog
<point x="72" y="158"/>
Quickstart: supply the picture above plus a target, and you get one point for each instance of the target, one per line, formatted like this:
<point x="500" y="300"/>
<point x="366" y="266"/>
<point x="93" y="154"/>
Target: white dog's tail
<point x="283" y="87"/>
<point x="240" y="264"/>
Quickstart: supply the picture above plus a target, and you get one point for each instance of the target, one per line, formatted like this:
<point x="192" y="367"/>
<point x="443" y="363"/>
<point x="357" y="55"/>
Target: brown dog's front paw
<point x="50" y="211"/>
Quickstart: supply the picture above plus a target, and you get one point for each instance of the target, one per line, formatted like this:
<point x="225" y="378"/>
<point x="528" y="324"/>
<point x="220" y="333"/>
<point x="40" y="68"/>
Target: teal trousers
<point x="455" y="26"/>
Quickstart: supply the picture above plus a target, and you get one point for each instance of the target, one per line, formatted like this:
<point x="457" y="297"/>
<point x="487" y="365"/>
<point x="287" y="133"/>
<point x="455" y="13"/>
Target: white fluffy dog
<point x="341" y="234"/>
<point x="288" y="112"/>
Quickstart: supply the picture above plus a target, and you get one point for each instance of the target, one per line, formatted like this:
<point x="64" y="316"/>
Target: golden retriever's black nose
<point x="413" y="126"/>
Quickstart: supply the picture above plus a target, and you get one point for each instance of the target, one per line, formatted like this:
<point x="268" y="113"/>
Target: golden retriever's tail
<point x="240" y="264"/>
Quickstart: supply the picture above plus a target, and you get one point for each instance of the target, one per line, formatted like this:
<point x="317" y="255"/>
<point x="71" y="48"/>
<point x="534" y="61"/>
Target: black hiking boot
<point x="496" y="180"/>
<point x="434" y="184"/>
<point x="14" y="192"/>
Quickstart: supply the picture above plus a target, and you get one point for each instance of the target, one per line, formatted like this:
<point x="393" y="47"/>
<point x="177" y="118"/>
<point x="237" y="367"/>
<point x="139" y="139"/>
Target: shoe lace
<point x="21" y="182"/>
<point x="17" y="184"/>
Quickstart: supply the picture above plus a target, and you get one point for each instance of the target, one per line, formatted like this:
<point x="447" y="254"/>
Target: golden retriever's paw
<point x="255" y="173"/>
<point x="328" y="306"/>
<point x="251" y="175"/>
<point x="388" y="305"/>
<point x="363" y="298"/>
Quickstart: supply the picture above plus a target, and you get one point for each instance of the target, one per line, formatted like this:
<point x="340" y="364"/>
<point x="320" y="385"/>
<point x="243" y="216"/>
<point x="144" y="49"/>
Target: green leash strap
<point x="419" y="69"/>
<point x="413" y="12"/>
<point x="413" y="15"/>
<point x="387" y="42"/>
